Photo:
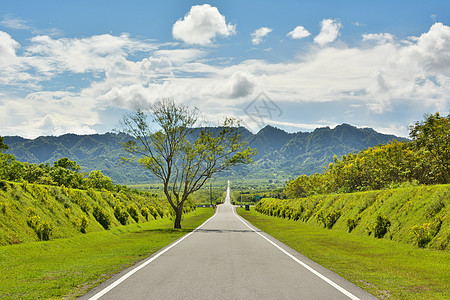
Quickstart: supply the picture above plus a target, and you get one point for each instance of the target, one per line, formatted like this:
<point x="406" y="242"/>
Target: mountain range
<point x="281" y="155"/>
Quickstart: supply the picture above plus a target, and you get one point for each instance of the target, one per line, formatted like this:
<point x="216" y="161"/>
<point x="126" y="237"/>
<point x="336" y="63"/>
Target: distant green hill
<point x="281" y="155"/>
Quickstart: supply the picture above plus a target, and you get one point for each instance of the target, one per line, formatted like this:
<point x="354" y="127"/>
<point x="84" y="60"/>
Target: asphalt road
<point x="227" y="258"/>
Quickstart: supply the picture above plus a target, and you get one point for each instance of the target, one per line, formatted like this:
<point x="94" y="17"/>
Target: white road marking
<point x="127" y="275"/>
<point x="330" y="282"/>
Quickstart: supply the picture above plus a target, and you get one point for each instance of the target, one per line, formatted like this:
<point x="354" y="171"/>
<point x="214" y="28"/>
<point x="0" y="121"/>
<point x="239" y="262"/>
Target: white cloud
<point x="328" y="32"/>
<point x="378" y="77"/>
<point x="179" y="56"/>
<point x="259" y="33"/>
<point x="12" y="66"/>
<point x="299" y="32"/>
<point x="14" y="23"/>
<point x="380" y="38"/>
<point x="201" y="25"/>
<point x="92" y="54"/>
<point x="8" y="47"/>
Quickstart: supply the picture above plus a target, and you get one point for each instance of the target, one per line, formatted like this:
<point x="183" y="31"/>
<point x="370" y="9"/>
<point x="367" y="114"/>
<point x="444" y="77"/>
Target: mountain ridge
<point x="281" y="155"/>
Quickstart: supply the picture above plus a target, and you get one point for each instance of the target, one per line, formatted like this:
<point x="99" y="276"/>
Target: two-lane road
<point x="226" y="258"/>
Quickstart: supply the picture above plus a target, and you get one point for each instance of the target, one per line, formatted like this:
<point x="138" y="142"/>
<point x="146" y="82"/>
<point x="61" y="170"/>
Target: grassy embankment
<point x="392" y="267"/>
<point x="71" y="266"/>
<point x="32" y="212"/>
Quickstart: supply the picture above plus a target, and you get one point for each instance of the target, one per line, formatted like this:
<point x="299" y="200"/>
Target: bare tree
<point x="181" y="157"/>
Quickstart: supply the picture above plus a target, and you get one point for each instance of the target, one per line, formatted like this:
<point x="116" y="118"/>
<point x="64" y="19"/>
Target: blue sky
<point x="78" y="66"/>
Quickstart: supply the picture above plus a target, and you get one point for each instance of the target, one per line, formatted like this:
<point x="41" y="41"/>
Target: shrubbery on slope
<point x="415" y="215"/>
<point x="31" y="212"/>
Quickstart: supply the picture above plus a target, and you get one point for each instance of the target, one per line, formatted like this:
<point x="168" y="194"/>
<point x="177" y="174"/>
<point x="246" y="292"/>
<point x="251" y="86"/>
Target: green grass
<point x="387" y="269"/>
<point x="69" y="267"/>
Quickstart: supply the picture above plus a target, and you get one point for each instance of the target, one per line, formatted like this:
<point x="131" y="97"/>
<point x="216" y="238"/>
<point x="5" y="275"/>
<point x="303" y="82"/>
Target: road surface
<point x="226" y="258"/>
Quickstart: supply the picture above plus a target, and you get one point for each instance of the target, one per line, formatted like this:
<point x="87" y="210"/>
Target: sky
<point x="79" y="66"/>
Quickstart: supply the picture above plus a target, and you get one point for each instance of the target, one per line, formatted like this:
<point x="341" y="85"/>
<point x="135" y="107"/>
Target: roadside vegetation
<point x="423" y="160"/>
<point x="69" y="267"/>
<point x="33" y="212"/>
<point x="385" y="268"/>
<point x="412" y="215"/>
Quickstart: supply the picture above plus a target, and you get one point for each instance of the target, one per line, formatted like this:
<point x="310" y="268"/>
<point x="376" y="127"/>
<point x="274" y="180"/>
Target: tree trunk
<point x="178" y="214"/>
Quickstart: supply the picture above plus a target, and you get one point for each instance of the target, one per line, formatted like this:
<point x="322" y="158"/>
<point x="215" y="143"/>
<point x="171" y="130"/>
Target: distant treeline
<point x="63" y="172"/>
<point x="423" y="160"/>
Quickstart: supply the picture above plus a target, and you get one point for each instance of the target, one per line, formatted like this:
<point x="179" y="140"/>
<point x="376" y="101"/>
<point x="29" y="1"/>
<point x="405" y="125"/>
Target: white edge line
<point x="127" y="275"/>
<point x="330" y="282"/>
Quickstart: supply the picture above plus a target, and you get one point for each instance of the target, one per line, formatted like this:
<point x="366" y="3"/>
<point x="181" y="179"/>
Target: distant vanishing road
<point x="227" y="258"/>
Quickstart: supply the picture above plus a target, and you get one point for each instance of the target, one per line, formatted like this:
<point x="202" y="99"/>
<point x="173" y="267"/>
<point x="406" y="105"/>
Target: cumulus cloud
<point x="328" y="33"/>
<point x="201" y="25"/>
<point x="8" y="47"/>
<point x="299" y="32"/>
<point x="259" y="34"/>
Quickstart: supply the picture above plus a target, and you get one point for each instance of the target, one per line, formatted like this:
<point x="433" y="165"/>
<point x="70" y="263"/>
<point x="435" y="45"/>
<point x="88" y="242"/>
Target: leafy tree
<point x="10" y="168"/>
<point x="68" y="164"/>
<point x="181" y="161"/>
<point x="433" y="137"/>
<point x="3" y="146"/>
<point x="97" y="180"/>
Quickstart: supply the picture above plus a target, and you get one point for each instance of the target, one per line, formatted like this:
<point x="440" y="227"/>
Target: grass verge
<point x="384" y="268"/>
<point x="70" y="267"/>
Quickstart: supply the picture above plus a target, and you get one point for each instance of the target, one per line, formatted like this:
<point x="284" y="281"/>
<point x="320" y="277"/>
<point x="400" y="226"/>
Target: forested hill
<point x="281" y="155"/>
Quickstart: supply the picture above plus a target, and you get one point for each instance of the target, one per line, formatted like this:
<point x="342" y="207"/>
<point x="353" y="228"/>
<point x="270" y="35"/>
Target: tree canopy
<point x="3" y="146"/>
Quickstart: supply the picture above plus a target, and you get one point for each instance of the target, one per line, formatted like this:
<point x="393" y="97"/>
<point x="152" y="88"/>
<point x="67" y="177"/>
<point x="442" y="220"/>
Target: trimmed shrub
<point x="381" y="227"/>
<point x="133" y="211"/>
<point x="121" y="214"/>
<point x="101" y="216"/>
<point x="83" y="223"/>
<point x="426" y="232"/>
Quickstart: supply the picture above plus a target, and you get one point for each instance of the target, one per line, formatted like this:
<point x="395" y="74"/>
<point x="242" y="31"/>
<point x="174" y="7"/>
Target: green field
<point x="69" y="267"/>
<point x="385" y="268"/>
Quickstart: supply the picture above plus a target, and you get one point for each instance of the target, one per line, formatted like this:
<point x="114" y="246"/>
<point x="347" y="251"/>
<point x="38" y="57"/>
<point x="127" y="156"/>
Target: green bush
<point x="381" y="227"/>
<point x="121" y="214"/>
<point x="426" y="232"/>
<point x="145" y="212"/>
<point x="330" y="219"/>
<point x="78" y="198"/>
<point x="4" y="207"/>
<point x="352" y="223"/>
<point x="3" y="185"/>
<point x="83" y="223"/>
<point x="43" y="229"/>
<point x="133" y="211"/>
<point x="101" y="216"/>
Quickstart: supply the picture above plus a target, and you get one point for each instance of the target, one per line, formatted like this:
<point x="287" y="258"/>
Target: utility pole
<point x="210" y="192"/>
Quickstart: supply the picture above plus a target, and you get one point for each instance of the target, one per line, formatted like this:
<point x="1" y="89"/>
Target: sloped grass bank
<point x="387" y="269"/>
<point x="412" y="215"/>
<point x="69" y="267"/>
<point x="33" y="212"/>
